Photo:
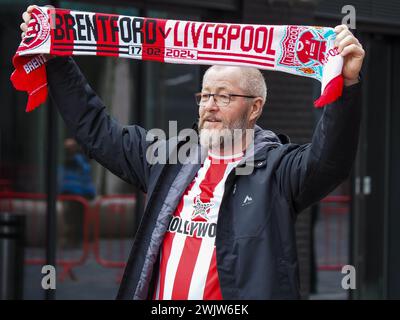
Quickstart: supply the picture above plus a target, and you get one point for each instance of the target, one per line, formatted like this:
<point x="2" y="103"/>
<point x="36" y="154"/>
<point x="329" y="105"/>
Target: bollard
<point x="12" y="235"/>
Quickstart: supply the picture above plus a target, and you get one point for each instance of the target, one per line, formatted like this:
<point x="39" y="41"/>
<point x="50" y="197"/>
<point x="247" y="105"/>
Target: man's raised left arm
<point x="309" y="172"/>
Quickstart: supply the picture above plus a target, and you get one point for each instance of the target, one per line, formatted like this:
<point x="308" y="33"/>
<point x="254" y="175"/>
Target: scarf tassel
<point x="332" y="92"/>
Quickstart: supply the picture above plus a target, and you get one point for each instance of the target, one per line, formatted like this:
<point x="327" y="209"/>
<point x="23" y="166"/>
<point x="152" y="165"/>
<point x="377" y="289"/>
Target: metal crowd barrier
<point x="334" y="216"/>
<point x="115" y="225"/>
<point x="112" y="217"/>
<point x="33" y="205"/>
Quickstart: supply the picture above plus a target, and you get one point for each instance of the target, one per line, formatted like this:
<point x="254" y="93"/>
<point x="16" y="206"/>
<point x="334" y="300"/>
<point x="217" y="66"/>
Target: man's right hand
<point x="26" y="16"/>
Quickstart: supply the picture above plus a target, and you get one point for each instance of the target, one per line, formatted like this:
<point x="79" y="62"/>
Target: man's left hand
<point x="353" y="53"/>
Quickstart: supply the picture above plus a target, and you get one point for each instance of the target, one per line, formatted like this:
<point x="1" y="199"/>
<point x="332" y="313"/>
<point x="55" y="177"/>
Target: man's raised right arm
<point x="121" y="149"/>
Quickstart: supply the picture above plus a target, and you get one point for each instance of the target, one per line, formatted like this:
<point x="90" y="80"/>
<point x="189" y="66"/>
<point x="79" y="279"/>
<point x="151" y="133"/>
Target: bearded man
<point x="208" y="232"/>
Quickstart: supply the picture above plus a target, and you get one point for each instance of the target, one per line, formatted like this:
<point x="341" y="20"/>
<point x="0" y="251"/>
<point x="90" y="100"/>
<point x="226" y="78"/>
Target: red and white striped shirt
<point x="188" y="267"/>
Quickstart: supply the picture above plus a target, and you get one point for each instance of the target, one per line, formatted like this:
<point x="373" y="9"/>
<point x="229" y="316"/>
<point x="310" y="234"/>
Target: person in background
<point x="75" y="174"/>
<point x="75" y="178"/>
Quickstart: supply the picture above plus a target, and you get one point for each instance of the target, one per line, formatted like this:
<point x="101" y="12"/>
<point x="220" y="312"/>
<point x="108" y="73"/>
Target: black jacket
<point x="255" y="241"/>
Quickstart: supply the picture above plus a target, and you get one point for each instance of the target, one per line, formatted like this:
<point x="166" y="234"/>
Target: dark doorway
<point x="376" y="172"/>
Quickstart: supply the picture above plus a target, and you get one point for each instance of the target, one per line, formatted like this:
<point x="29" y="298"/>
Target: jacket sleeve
<point x="121" y="149"/>
<point x="307" y="173"/>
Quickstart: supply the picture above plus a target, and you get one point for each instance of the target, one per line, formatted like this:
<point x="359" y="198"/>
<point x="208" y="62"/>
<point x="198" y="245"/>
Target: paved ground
<point x="91" y="281"/>
<point x="95" y="282"/>
<point x="87" y="281"/>
<point x="329" y="287"/>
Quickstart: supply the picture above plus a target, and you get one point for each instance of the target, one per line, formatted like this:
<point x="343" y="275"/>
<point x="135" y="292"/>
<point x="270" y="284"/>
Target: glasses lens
<point x="202" y="98"/>
<point x="222" y="100"/>
<point x="198" y="98"/>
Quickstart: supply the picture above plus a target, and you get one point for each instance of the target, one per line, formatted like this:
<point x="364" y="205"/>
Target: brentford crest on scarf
<point x="302" y="50"/>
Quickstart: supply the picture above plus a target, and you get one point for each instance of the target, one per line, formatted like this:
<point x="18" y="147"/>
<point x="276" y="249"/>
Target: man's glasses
<point x="221" y="100"/>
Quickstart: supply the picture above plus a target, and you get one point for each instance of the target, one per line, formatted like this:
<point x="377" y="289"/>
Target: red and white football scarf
<point x="301" y="50"/>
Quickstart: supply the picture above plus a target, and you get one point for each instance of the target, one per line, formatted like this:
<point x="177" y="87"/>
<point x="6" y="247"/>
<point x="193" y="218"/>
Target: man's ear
<point x="256" y="109"/>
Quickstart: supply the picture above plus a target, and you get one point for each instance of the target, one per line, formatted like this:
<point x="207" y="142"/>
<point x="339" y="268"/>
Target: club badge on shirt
<point x="201" y="208"/>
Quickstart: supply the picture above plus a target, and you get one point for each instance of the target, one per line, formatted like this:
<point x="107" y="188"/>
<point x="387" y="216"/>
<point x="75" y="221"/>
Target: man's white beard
<point x="225" y="138"/>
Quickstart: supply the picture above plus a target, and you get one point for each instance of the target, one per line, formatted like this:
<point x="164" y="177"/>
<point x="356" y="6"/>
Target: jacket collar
<point x="263" y="140"/>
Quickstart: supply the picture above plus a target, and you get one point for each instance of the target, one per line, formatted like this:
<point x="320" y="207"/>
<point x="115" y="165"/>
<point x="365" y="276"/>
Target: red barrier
<point x="30" y="204"/>
<point x="110" y="237"/>
<point x="334" y="215"/>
